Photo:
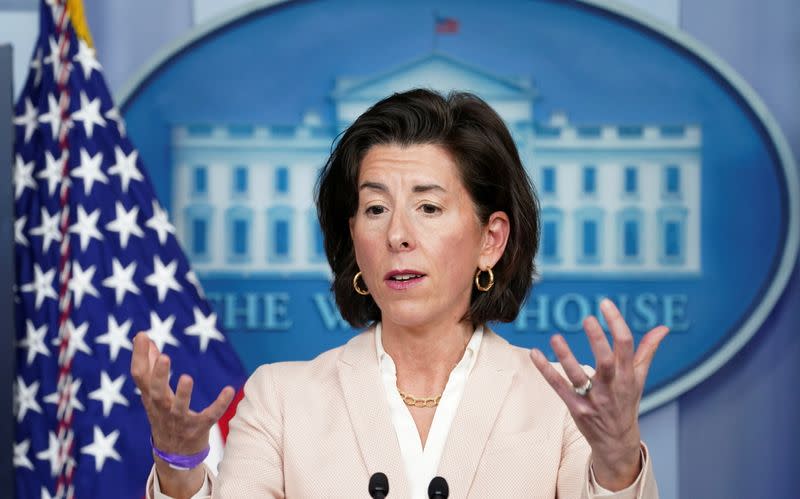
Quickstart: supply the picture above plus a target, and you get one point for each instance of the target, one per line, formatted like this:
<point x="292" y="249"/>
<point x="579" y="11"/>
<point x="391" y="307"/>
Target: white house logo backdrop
<point x="662" y="185"/>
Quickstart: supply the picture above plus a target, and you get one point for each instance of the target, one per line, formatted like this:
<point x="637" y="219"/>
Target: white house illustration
<point x="617" y="200"/>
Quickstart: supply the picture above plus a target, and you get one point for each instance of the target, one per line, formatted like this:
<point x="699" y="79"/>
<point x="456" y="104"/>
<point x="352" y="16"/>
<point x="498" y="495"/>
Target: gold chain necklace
<point x="413" y="401"/>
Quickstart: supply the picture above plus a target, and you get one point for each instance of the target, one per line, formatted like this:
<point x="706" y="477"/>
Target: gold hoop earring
<point x="478" y="280"/>
<point x="362" y="292"/>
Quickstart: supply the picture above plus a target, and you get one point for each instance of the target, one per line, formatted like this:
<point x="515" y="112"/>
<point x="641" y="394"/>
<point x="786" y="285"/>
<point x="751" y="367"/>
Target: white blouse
<point x="421" y="463"/>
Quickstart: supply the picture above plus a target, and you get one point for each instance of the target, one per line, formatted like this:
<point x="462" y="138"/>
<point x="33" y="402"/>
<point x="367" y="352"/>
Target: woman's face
<point x="417" y="238"/>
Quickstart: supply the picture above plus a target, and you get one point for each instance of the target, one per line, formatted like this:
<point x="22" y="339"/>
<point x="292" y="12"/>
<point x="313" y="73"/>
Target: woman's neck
<point x="425" y="357"/>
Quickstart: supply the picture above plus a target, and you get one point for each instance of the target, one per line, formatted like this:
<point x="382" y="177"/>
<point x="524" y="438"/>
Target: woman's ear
<point x="495" y="238"/>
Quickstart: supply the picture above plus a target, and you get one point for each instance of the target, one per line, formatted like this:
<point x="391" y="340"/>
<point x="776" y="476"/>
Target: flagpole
<point x="435" y="34"/>
<point x="7" y="271"/>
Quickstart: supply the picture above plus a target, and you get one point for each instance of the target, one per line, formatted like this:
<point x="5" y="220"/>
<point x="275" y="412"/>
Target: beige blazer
<point x="321" y="428"/>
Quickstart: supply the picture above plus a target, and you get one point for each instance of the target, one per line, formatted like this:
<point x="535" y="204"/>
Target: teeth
<point x="404" y="277"/>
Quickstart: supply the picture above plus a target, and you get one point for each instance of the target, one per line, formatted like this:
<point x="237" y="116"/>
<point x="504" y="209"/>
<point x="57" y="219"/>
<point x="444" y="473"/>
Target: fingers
<point x="610" y="362"/>
<point x="560" y="384"/>
<point x="174" y="426"/>
<point x="217" y="408"/>
<point x="152" y="352"/>
<point x="572" y="368"/>
<point x="647" y="349"/>
<point x="605" y="367"/>
<point x="623" y="339"/>
<point x="183" y="394"/>
<point x="140" y="367"/>
<point x="160" y="392"/>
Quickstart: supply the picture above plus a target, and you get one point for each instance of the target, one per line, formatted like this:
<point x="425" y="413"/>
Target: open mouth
<point x="403" y="279"/>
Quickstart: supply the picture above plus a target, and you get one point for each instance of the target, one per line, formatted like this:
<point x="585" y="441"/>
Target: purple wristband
<point x="180" y="461"/>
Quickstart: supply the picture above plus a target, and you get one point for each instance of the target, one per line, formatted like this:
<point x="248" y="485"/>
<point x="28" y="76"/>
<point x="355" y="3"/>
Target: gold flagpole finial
<point x="79" y="23"/>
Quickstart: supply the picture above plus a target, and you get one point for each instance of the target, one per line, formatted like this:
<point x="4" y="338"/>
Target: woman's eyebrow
<point x="375" y="186"/>
<point x="428" y="188"/>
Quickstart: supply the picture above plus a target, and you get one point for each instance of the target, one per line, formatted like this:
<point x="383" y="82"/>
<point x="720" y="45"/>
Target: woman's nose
<point x="399" y="236"/>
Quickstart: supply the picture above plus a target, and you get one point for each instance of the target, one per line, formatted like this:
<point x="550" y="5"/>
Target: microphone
<point x="438" y="488"/>
<point x="379" y="486"/>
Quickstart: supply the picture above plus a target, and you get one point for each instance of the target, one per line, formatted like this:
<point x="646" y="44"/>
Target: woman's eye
<point x="375" y="210"/>
<point x="430" y="209"/>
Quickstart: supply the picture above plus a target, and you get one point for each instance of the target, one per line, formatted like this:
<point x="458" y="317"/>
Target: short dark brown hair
<point x="490" y="169"/>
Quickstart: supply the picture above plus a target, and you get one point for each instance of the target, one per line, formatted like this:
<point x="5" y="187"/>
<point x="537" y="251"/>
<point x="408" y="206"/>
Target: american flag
<point x="97" y="261"/>
<point x="446" y="25"/>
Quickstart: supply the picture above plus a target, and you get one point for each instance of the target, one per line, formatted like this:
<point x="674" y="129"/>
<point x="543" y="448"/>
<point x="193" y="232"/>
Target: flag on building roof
<point x="97" y="261"/>
<point x="446" y="25"/>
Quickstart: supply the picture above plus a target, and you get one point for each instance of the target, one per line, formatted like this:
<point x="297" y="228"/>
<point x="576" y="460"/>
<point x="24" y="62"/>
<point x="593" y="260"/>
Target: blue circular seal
<point x="665" y="183"/>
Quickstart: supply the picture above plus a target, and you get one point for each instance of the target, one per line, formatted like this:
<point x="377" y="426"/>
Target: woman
<point x="431" y="229"/>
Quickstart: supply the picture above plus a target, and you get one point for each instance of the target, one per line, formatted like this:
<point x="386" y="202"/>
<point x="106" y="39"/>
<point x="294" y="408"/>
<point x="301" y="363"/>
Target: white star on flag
<point x="75" y="337"/>
<point x="23" y="176"/>
<point x="74" y="402"/>
<point x="121" y="280"/>
<point x="34" y="341"/>
<point x="86" y="58"/>
<point x="52" y="454"/>
<point x="125" y="167"/>
<point x="42" y="285"/>
<point x="48" y="229"/>
<point x="81" y="283"/>
<point x="53" y="115"/>
<point x="19" y="230"/>
<point x="160" y="331"/>
<point x="89" y="114"/>
<point x="163" y="277"/>
<point x="28" y="119"/>
<point x="113" y="115"/>
<point x="116" y="337"/>
<point x="204" y="328"/>
<point x="109" y="392"/>
<point x="90" y="171"/>
<point x="160" y="223"/>
<point x="53" y="172"/>
<point x="25" y="398"/>
<point x="125" y="224"/>
<point x="102" y="448"/>
<point x="86" y="227"/>
<point x="21" y="454"/>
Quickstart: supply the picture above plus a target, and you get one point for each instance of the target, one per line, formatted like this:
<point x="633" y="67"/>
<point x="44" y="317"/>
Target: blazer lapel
<point x="359" y="375"/>
<point x="485" y="392"/>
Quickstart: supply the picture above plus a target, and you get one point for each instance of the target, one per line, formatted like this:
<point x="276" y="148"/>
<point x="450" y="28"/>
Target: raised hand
<point x="607" y="414"/>
<point x="175" y="428"/>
